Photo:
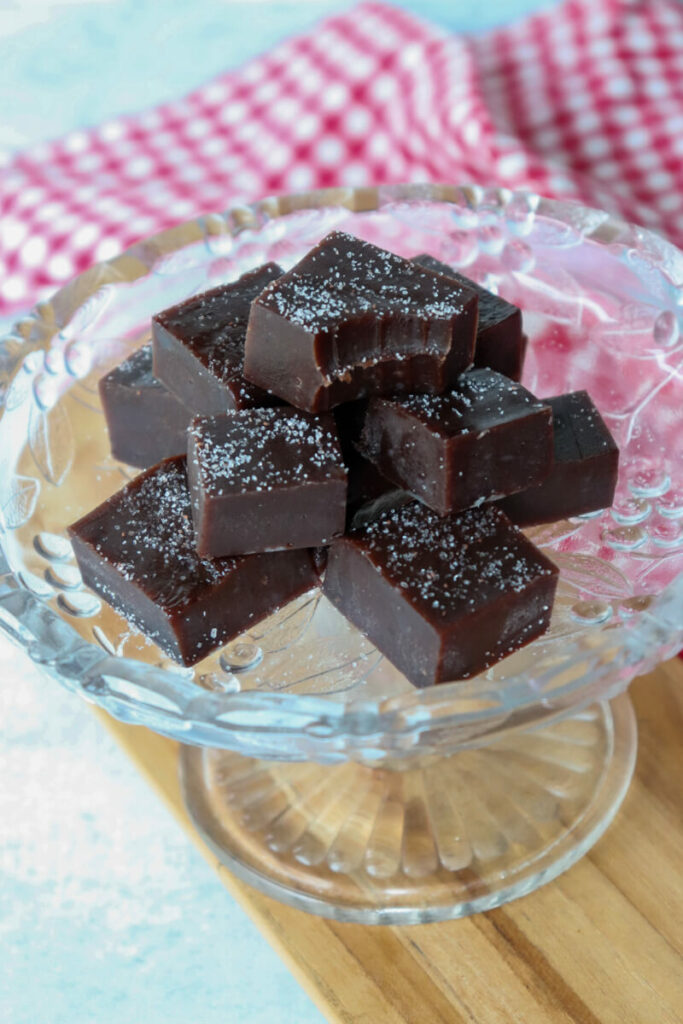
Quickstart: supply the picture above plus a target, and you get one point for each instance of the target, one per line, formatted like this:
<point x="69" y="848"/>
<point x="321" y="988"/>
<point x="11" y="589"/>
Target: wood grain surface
<point x="603" y="944"/>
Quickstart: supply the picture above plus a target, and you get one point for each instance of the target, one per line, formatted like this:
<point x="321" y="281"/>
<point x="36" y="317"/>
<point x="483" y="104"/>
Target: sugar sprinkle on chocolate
<point x="451" y="561"/>
<point x="364" y="279"/>
<point x="265" y="449"/>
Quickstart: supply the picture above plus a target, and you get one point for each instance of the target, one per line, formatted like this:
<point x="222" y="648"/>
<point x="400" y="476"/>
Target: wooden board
<point x="603" y="944"/>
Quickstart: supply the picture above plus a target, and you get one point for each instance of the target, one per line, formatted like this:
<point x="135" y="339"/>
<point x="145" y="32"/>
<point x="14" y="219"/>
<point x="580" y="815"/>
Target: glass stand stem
<point x="438" y="839"/>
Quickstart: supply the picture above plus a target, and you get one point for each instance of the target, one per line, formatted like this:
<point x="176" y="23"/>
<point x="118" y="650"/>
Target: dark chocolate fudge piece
<point x="146" y="422"/>
<point x="265" y="479"/>
<point x="137" y="551"/>
<point x="442" y="598"/>
<point x="199" y="346"/>
<point x="351" y="320"/>
<point x="584" y="474"/>
<point x="501" y="343"/>
<point x="487" y="437"/>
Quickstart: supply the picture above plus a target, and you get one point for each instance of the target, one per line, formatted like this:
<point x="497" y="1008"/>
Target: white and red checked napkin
<point x="584" y="101"/>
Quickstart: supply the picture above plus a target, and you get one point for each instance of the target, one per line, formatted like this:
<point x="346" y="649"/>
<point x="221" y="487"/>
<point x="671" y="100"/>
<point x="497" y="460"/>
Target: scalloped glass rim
<point x="597" y="664"/>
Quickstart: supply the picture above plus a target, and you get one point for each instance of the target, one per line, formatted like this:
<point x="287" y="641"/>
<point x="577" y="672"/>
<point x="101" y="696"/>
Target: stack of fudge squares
<point x="356" y="423"/>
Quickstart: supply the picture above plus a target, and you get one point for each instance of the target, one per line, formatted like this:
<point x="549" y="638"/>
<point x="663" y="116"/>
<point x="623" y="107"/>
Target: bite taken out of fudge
<point x="199" y="346"/>
<point x="136" y="550"/>
<point x="485" y="438"/>
<point x="443" y="598"/>
<point x="585" y="468"/>
<point x="146" y="422"/>
<point x="351" y="320"/>
<point x="265" y="480"/>
<point x="501" y="342"/>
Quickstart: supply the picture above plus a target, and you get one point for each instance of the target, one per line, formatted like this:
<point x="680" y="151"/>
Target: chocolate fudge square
<point x="351" y="320"/>
<point x="501" y="342"/>
<point x="264" y="480"/>
<point x="146" y="422"/>
<point x="137" y="551"/>
<point x="485" y="438"/>
<point x="585" y="469"/>
<point x="199" y="346"/>
<point x="442" y="597"/>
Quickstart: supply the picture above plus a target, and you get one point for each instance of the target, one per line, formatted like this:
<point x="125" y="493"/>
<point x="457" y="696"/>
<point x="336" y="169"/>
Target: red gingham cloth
<point x="584" y="101"/>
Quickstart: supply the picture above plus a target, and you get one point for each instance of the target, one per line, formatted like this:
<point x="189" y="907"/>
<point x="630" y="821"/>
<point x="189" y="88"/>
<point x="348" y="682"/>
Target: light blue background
<point x="76" y="64"/>
<point x="107" y="914"/>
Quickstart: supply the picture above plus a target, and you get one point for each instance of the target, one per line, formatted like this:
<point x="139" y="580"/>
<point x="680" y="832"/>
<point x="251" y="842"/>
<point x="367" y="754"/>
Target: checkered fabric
<point x="583" y="101"/>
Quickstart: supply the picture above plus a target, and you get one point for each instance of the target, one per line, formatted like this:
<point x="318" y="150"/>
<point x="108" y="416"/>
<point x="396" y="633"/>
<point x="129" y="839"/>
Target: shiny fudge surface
<point x="442" y="597"/>
<point x="137" y="551"/>
<point x="265" y="479"/>
<point x="501" y="343"/>
<point x="486" y="437"/>
<point x="146" y="422"/>
<point x="351" y="320"/>
<point x="199" y="346"/>
<point x="585" y="469"/>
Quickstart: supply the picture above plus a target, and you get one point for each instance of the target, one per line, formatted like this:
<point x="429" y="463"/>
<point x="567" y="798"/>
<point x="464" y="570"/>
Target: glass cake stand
<point x="309" y="764"/>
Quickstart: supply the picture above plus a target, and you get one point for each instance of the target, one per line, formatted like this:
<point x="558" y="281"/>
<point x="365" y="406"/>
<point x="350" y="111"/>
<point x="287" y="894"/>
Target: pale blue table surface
<point x="107" y="914"/>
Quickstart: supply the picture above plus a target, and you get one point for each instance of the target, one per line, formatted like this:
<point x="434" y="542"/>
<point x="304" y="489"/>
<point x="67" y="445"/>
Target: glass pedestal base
<point x="424" y="840"/>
